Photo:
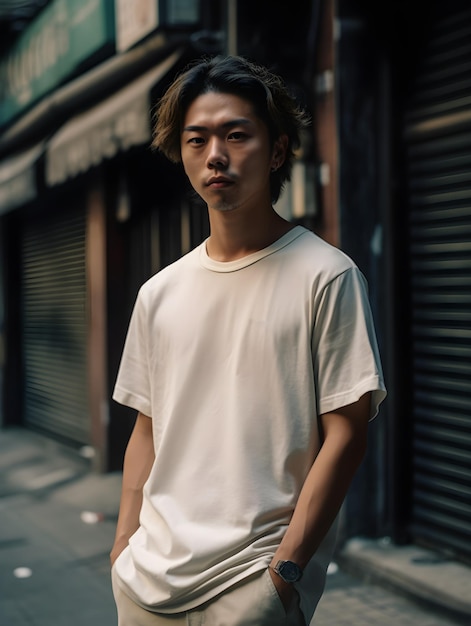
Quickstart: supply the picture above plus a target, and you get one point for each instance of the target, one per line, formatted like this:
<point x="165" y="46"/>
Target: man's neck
<point x="235" y="235"/>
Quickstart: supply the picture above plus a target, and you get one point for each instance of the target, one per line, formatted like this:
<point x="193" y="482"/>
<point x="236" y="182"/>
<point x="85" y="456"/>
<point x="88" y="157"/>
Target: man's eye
<point x="237" y="135"/>
<point x="196" y="140"/>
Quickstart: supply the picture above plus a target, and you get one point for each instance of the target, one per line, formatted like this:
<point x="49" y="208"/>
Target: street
<point x="57" y="526"/>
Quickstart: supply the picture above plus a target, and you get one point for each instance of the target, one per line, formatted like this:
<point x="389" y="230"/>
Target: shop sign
<point x="135" y="20"/>
<point x="64" y="35"/>
<point x="181" y="12"/>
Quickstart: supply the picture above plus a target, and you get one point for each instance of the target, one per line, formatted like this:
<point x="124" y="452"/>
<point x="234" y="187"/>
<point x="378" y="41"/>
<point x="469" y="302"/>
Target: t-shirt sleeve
<point x="345" y="350"/>
<point x="132" y="386"/>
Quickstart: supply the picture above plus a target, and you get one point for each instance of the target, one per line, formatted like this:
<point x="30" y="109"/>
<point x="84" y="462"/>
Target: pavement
<point x="57" y="522"/>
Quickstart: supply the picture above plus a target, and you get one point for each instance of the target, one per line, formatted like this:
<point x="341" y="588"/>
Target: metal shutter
<point x="55" y="327"/>
<point x="438" y="140"/>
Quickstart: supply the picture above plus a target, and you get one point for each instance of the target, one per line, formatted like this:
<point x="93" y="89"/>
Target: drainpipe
<point x="231" y="27"/>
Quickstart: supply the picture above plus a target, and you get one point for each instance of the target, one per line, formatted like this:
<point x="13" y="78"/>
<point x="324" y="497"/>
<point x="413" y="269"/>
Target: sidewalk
<point x="441" y="584"/>
<point x="367" y="598"/>
<point x="56" y="530"/>
<point x="57" y="526"/>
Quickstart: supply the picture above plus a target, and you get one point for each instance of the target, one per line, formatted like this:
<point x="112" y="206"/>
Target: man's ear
<point x="280" y="148"/>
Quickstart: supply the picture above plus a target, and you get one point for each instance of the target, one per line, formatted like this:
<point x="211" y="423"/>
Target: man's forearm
<point x="327" y="483"/>
<point x="138" y="462"/>
<point x="319" y="503"/>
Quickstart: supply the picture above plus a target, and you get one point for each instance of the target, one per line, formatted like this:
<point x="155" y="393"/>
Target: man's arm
<point x="138" y="461"/>
<point x="343" y="448"/>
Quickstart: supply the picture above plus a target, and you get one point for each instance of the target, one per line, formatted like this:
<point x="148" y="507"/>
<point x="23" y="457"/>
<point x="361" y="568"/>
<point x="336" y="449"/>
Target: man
<point x="253" y="365"/>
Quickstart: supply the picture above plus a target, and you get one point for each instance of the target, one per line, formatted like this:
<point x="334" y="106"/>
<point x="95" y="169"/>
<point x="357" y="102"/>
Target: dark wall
<point x="378" y="48"/>
<point x="362" y="75"/>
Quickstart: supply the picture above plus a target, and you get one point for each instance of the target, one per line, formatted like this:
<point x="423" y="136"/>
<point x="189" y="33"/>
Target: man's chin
<point x="223" y="207"/>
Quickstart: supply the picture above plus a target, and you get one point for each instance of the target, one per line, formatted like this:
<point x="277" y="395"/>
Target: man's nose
<point x="217" y="155"/>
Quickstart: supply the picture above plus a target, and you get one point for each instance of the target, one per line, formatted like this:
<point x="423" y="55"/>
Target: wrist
<point x="289" y="571"/>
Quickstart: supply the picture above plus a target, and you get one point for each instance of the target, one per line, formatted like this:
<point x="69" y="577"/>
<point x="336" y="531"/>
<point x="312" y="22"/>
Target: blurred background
<point x="88" y="212"/>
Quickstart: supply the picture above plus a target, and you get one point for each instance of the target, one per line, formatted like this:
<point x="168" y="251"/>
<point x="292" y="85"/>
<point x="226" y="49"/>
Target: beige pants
<point x="252" y="602"/>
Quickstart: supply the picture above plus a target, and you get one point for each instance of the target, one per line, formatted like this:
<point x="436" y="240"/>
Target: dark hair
<point x="238" y="76"/>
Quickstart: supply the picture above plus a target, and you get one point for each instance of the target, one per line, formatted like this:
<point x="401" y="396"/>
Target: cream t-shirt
<point x="234" y="362"/>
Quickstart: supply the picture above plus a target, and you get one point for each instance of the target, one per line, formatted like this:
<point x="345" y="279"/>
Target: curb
<point x="417" y="573"/>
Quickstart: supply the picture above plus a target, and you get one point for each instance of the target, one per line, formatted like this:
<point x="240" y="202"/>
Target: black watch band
<point x="287" y="570"/>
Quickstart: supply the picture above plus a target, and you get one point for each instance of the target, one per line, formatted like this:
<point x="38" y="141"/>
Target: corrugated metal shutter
<point x="438" y="139"/>
<point x="55" y="327"/>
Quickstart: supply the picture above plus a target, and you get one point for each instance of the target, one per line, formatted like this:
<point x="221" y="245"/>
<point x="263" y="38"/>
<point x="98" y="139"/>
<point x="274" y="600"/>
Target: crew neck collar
<point x="232" y="266"/>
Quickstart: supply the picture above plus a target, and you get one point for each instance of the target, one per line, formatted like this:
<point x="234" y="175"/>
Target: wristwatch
<point x="288" y="571"/>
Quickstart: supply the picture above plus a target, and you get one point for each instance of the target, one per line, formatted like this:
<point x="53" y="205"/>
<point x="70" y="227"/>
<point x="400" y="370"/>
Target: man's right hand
<point x="116" y="550"/>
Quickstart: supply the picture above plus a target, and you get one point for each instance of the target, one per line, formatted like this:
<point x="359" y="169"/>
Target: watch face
<point x="290" y="572"/>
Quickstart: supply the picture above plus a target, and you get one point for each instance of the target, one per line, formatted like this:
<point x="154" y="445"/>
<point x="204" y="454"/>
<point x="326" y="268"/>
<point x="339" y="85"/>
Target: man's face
<point x="226" y="152"/>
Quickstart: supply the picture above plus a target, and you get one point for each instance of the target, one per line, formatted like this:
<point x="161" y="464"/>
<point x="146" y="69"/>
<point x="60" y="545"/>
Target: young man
<point x="253" y="365"/>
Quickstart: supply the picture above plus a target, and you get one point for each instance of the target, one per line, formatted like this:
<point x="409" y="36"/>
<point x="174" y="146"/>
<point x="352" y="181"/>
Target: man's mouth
<point x="219" y="181"/>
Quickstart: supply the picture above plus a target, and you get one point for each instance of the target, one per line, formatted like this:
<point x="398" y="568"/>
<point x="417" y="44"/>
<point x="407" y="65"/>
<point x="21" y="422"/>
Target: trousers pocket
<point x="273" y="591"/>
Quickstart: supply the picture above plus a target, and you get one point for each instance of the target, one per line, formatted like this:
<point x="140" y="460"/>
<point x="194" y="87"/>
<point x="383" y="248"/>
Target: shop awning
<point x="18" y="180"/>
<point x="118" y="123"/>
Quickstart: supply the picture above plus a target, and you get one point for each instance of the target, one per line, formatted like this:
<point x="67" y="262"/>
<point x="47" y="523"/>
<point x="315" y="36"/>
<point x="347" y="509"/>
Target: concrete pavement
<point x="53" y="561"/>
<point x="57" y="522"/>
<point x="350" y="601"/>
<point x="439" y="583"/>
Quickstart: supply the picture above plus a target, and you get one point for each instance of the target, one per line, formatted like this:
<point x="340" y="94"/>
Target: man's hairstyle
<point x="237" y="76"/>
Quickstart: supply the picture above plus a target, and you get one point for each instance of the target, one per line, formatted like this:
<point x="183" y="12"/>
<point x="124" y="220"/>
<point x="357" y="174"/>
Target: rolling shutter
<point x="438" y="141"/>
<point x="55" y="327"/>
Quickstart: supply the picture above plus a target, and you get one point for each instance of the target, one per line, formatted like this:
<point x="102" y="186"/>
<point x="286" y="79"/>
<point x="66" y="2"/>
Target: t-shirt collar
<point x="232" y="266"/>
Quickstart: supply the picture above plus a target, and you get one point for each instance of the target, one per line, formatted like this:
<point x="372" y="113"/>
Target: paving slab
<point x="439" y="582"/>
<point x="351" y="601"/>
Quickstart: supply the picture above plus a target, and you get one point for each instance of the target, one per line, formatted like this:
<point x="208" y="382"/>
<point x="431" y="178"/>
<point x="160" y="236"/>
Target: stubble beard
<point x="223" y="206"/>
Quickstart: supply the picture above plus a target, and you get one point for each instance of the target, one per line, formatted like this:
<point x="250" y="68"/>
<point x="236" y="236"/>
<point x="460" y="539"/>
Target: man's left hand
<point x="286" y="591"/>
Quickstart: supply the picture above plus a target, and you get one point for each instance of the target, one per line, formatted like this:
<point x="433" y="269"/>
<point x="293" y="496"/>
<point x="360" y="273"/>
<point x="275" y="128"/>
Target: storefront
<point x="437" y="136"/>
<point x="78" y="223"/>
<point x="54" y="323"/>
<point x="404" y="132"/>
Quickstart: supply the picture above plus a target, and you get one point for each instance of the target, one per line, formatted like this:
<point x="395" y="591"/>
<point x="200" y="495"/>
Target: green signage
<point x="64" y="35"/>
